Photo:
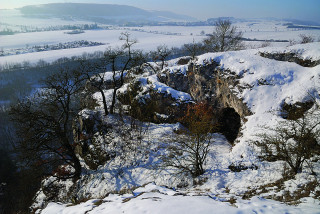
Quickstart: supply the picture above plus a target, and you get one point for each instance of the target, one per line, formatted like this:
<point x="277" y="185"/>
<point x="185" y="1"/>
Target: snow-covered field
<point x="219" y="190"/>
<point x="13" y="19"/>
<point x="146" y="41"/>
<point x="149" y="37"/>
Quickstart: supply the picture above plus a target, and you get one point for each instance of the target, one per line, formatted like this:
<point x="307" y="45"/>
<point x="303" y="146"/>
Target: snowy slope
<point x="219" y="189"/>
<point x="283" y="81"/>
<point x="157" y="200"/>
<point x="303" y="51"/>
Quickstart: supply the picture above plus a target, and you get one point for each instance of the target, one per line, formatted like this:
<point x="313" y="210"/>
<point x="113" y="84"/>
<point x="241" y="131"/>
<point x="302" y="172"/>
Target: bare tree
<point x="194" y="49"/>
<point x="97" y="79"/>
<point x="44" y="124"/>
<point x="188" y="153"/>
<point x="160" y="55"/>
<point x="225" y="37"/>
<point x="118" y="61"/>
<point x="306" y="38"/>
<point x="293" y="140"/>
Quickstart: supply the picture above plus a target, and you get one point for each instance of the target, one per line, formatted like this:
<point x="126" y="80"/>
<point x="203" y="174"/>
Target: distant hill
<point x="290" y="21"/>
<point x="302" y="22"/>
<point x="101" y="12"/>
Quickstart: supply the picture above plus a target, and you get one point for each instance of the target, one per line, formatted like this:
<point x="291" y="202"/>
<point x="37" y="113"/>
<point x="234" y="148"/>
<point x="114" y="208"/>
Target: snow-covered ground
<point x="146" y="42"/>
<point x="219" y="190"/>
<point x="14" y="19"/>
<point x="158" y="200"/>
<point x="149" y="37"/>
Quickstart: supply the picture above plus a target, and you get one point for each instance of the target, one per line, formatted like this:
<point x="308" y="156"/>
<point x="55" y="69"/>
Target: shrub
<point x="306" y="39"/>
<point x="189" y="153"/>
<point x="293" y="141"/>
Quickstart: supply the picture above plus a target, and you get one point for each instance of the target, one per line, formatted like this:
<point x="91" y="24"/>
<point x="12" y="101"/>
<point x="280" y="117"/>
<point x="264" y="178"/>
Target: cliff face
<point x="216" y="86"/>
<point x="209" y="82"/>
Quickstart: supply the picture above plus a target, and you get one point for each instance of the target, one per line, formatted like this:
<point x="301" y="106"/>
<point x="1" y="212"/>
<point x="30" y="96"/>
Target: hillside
<point x="100" y="12"/>
<point x="253" y="86"/>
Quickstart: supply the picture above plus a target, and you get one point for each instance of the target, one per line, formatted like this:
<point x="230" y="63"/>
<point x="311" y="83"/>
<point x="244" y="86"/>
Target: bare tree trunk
<point x="77" y="167"/>
<point x="104" y="101"/>
<point x="113" y="100"/>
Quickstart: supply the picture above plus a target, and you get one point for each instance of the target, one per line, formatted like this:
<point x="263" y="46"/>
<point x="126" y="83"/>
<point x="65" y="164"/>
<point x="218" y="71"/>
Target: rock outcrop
<point x="291" y="57"/>
<point x="208" y="82"/>
<point x="216" y="86"/>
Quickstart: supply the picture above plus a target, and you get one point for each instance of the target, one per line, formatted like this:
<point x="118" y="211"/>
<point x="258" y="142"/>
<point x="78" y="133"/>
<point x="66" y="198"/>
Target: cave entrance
<point x="229" y="123"/>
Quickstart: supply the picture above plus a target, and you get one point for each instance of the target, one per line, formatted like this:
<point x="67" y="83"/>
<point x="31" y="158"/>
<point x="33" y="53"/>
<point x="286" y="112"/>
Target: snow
<point x="162" y="88"/>
<point x="154" y="188"/>
<point x="149" y="37"/>
<point x="59" y="208"/>
<point x="303" y="51"/>
<point x="179" y="68"/>
<point x="155" y="199"/>
<point x="285" y="82"/>
<point x="145" y="187"/>
<point x="150" y="190"/>
<point x="292" y="80"/>
<point x="146" y="42"/>
<point x="148" y="83"/>
<point x="15" y="19"/>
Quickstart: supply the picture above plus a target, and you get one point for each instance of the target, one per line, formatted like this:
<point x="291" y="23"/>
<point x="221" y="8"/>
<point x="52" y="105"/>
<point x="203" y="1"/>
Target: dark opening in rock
<point x="229" y="123"/>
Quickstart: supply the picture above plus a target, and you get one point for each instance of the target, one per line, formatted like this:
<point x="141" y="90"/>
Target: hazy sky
<point x="203" y="9"/>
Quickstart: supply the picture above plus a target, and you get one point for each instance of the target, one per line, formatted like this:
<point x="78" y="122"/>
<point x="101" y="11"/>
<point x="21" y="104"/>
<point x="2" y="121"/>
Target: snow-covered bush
<point x="306" y="38"/>
<point x="293" y="141"/>
<point x="138" y="102"/>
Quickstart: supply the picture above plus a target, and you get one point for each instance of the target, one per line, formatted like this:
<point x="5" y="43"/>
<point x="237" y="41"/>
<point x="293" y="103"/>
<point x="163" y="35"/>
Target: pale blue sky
<point x="203" y="9"/>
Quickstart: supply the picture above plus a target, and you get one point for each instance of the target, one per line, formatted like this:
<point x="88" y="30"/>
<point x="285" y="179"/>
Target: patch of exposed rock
<point x="218" y="87"/>
<point x="290" y="57"/>
<point x="153" y="106"/>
